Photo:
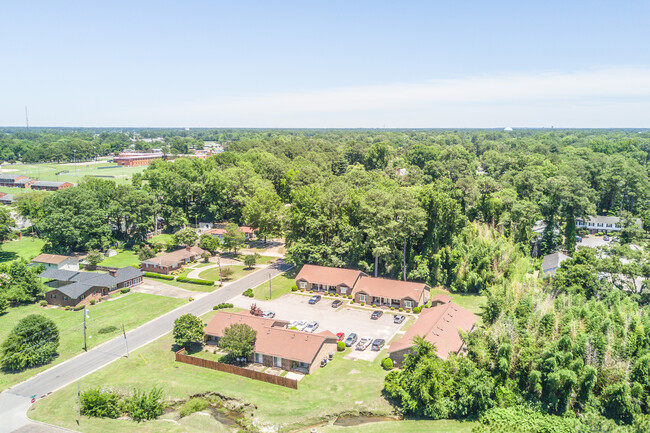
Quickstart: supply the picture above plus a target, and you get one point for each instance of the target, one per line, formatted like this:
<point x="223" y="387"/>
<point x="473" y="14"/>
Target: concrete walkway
<point x="15" y="401"/>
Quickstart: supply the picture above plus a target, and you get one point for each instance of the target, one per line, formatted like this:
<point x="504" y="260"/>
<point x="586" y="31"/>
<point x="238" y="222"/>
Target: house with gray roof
<point x="551" y="262"/>
<point x="69" y="287"/>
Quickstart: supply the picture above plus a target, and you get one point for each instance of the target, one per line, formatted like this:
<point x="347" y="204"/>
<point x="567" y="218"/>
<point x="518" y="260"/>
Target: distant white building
<point x="507" y="129"/>
<point x="604" y="224"/>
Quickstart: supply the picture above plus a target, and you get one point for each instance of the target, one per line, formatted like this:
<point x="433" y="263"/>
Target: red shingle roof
<point x="439" y="325"/>
<point x="385" y="288"/>
<point x="330" y="276"/>
<point x="271" y="340"/>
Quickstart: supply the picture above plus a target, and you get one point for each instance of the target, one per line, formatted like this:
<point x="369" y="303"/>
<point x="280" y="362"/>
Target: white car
<point x="311" y="327"/>
<point x="364" y="343"/>
<point x="268" y="314"/>
<point x="300" y="326"/>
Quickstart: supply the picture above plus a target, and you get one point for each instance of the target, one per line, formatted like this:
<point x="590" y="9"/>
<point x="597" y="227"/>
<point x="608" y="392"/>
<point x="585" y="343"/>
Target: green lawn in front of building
<point x="26" y="248"/>
<point x="121" y="260"/>
<point x="238" y="272"/>
<point x="130" y="310"/>
<point x="280" y="285"/>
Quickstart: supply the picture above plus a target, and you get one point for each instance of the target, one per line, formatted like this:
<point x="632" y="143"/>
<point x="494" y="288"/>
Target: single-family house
<point x="275" y="345"/>
<point x="170" y="262"/>
<point x="55" y="261"/>
<point x="390" y="293"/>
<point x="604" y="224"/>
<point x="219" y="229"/>
<point x="327" y="279"/>
<point x="69" y="288"/>
<point x="438" y="325"/>
<point x="551" y="262"/>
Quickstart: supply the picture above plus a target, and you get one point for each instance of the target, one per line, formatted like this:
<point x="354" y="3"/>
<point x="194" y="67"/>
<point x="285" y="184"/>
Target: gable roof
<point x="386" y="288"/>
<point x="170" y="259"/>
<point x="439" y="325"/>
<point x="79" y="282"/>
<point x="10" y="177"/>
<point x="272" y="338"/>
<point x="551" y="262"/>
<point x="52" y="259"/>
<point x="330" y="276"/>
<point x="445" y="298"/>
<point x="46" y="183"/>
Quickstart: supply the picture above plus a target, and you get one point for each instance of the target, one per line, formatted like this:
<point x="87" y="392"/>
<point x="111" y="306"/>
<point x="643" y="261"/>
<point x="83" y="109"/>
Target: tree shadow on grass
<point x="7" y="256"/>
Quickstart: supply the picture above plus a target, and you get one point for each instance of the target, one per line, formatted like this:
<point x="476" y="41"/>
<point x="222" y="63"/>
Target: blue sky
<point x="325" y="64"/>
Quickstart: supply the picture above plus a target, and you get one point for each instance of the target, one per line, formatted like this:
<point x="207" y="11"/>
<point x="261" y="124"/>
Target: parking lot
<point x="343" y="319"/>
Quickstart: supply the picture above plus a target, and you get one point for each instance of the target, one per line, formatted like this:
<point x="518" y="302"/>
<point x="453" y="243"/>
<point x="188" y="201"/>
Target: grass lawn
<point x="186" y="286"/>
<point x="472" y="302"/>
<point x="261" y="260"/>
<point x="213" y="273"/>
<point x="132" y="311"/>
<point x="162" y="238"/>
<point x="280" y="285"/>
<point x="439" y="426"/>
<point x="342" y="386"/>
<point x="74" y="173"/>
<point x="25" y="248"/>
<point x="202" y="265"/>
<point x="121" y="260"/>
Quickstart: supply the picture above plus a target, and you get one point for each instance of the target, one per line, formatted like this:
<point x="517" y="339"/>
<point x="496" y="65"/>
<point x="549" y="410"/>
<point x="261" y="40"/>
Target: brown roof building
<point x="171" y="261"/>
<point x="324" y="278"/>
<point x="275" y="345"/>
<point x="389" y="293"/>
<point x="55" y="261"/>
<point x="439" y="325"/>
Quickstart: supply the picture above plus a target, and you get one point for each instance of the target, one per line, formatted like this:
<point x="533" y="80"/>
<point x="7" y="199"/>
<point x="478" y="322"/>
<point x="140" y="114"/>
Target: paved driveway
<point x="343" y="319"/>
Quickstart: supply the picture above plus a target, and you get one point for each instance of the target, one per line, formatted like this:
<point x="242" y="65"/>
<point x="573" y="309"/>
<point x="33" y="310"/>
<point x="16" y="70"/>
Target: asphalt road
<point x="15" y="401"/>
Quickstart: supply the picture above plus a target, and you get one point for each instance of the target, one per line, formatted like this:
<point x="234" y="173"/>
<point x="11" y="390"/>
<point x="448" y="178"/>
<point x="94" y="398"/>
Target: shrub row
<point x="159" y="276"/>
<point x="222" y="305"/>
<point x="248" y="292"/>
<point x="140" y="406"/>
<point x="195" y="281"/>
<point x="125" y="290"/>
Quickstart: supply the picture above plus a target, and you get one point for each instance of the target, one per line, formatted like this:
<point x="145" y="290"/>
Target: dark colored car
<point x="352" y="338"/>
<point x="606" y="238"/>
<point x="398" y="319"/>
<point x="337" y="303"/>
<point x="376" y="314"/>
<point x="314" y="299"/>
<point x="378" y="344"/>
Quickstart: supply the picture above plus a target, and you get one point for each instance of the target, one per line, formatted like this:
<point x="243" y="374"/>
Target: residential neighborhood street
<point x="15" y="401"/>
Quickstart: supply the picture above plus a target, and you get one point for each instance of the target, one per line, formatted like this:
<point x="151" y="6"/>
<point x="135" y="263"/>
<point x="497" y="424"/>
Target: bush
<point x="143" y="405"/>
<point x="107" y="330"/>
<point x="93" y="302"/>
<point x="193" y="405"/>
<point x="32" y="342"/>
<point x="100" y="404"/>
<point x="190" y="299"/>
<point x="392" y="308"/>
<point x="401" y="309"/>
<point x="79" y="307"/>
<point x="349" y="296"/>
<point x="417" y="310"/>
<point x="374" y="305"/>
<point x="195" y="281"/>
<point x="340" y="346"/>
<point x="68" y="308"/>
<point x="248" y="292"/>
<point x="222" y="305"/>
<point x="294" y="288"/>
<point x="42" y="303"/>
<point x="387" y="363"/>
<point x="363" y="303"/>
<point x="311" y="291"/>
<point x="159" y="276"/>
<point x="125" y="290"/>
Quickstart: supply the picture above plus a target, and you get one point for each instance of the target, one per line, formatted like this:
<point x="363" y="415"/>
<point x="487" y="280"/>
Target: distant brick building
<point x="15" y="181"/>
<point x="132" y="159"/>
<point x="42" y="185"/>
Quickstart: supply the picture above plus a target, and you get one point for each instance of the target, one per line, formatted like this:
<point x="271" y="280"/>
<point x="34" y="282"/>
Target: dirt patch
<point x="354" y="372"/>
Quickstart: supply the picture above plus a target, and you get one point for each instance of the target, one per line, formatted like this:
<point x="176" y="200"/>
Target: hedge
<point x="160" y="276"/>
<point x="195" y="281"/>
<point x="222" y="305"/>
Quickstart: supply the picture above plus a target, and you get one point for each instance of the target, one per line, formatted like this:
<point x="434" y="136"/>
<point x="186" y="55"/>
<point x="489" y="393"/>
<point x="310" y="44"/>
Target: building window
<point x="53" y="296"/>
<point x="259" y="358"/>
<point x="277" y="361"/>
<point x="344" y="290"/>
<point x="408" y="304"/>
<point x="362" y="298"/>
<point x="302" y="284"/>
<point x="65" y="298"/>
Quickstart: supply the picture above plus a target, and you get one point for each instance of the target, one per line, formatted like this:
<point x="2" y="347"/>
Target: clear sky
<point x="325" y="64"/>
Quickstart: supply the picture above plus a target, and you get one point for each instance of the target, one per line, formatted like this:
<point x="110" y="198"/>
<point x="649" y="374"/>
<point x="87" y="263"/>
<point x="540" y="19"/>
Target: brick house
<point x="170" y="262"/>
<point x="15" y="181"/>
<point x="218" y="230"/>
<point x="70" y="288"/>
<point x="439" y="325"/>
<point x="326" y="279"/>
<point x="55" y="261"/>
<point x="275" y="345"/>
<point x="42" y="185"/>
<point x="133" y="159"/>
<point x="390" y="293"/>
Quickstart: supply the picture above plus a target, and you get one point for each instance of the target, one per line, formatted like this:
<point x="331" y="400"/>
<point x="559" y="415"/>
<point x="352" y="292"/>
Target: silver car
<point x="364" y="343"/>
<point x="268" y="314"/>
<point x="311" y="327"/>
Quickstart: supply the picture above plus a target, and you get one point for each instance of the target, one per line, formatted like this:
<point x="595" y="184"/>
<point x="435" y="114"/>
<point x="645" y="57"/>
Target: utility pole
<point x="126" y="343"/>
<point x="220" y="276"/>
<point x="85" y="314"/>
<point x="404" y="259"/>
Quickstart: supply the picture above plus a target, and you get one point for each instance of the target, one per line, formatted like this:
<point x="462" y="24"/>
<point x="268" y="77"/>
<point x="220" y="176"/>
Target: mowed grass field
<point x="343" y="386"/>
<point x="121" y="260"/>
<point x="130" y="310"/>
<point x="280" y="285"/>
<point x="237" y="272"/>
<point x="73" y="172"/>
<point x="472" y="302"/>
<point x="26" y="248"/>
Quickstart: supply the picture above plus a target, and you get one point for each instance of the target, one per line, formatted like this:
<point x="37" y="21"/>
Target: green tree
<point x="250" y="260"/>
<point x="6" y="224"/>
<point x="263" y="212"/>
<point x="238" y="340"/>
<point x="209" y="243"/>
<point x="234" y="238"/>
<point x="188" y="330"/>
<point x="146" y="253"/>
<point x="93" y="258"/>
<point x="32" y="342"/>
<point x="187" y="237"/>
<point x="21" y="283"/>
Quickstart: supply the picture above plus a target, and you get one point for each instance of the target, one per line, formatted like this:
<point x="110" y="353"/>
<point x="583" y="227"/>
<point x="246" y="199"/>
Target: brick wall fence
<point x="233" y="369"/>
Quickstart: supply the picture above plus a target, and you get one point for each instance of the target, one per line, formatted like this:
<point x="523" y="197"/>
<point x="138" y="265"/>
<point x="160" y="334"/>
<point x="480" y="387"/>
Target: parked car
<point x="376" y="314"/>
<point x="378" y="344"/>
<point x="615" y="239"/>
<point x="606" y="238"/>
<point x="399" y="318"/>
<point x="311" y="327"/>
<point x="337" y="303"/>
<point x="323" y="362"/>
<point x="300" y="326"/>
<point x="352" y="338"/>
<point x="293" y="324"/>
<point x="314" y="299"/>
<point x="364" y="343"/>
<point x="269" y="314"/>
<point x="340" y="336"/>
<point x="578" y="238"/>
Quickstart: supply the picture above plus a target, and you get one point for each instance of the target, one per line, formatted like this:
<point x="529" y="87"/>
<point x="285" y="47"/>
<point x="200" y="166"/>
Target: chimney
<point x="112" y="273"/>
<point x="188" y="248"/>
